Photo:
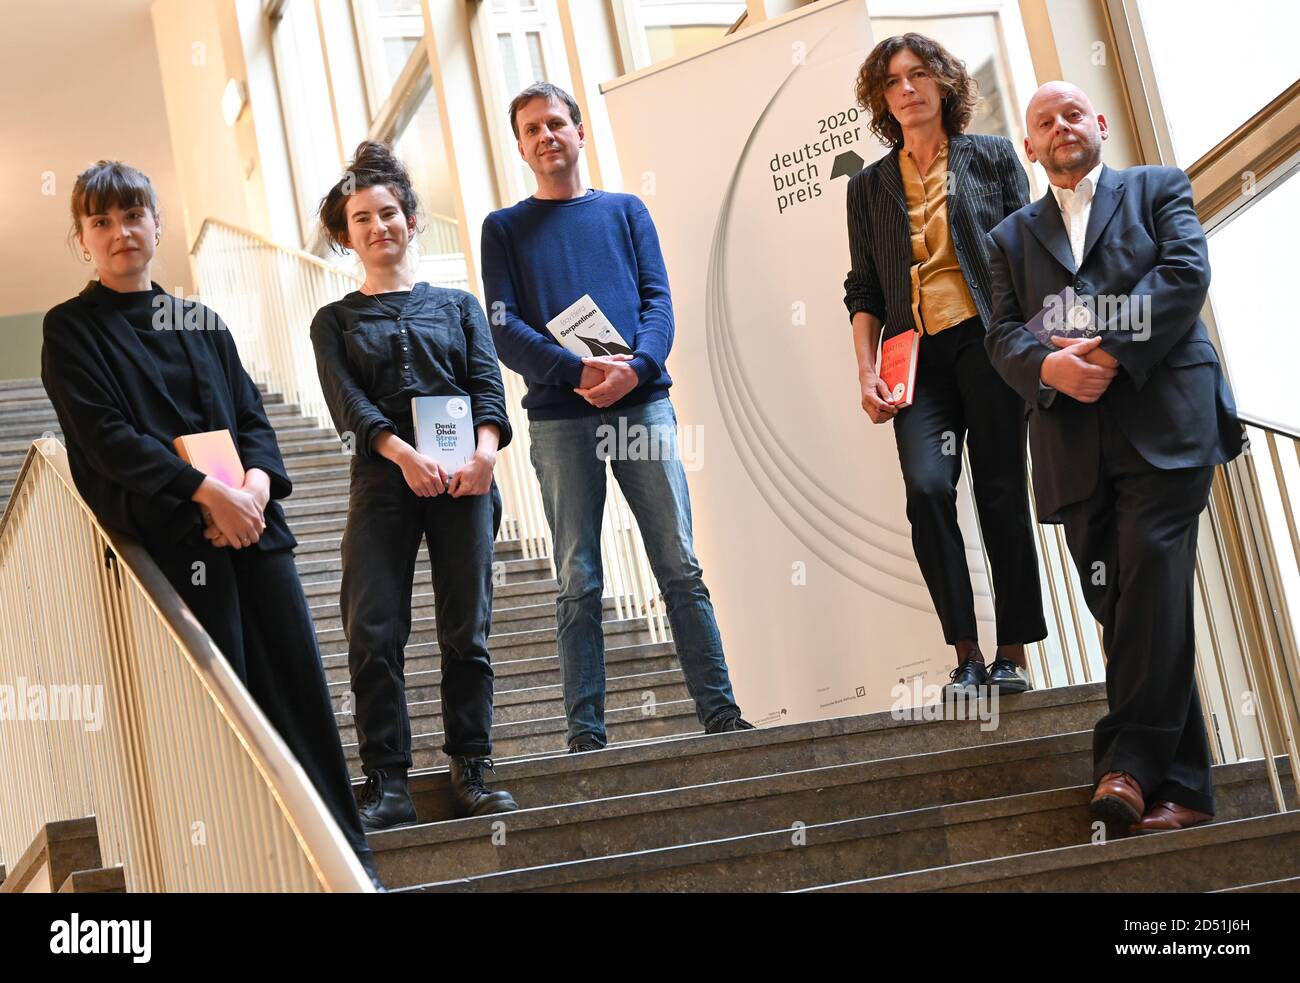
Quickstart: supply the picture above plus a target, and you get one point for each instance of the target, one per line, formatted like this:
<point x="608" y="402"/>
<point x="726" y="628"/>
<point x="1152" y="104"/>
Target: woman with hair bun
<point x="377" y="348"/>
<point x="128" y="374"/>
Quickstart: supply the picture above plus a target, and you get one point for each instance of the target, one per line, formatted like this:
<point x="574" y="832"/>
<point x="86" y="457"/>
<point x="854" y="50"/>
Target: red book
<point x="214" y="454"/>
<point x="898" y="366"/>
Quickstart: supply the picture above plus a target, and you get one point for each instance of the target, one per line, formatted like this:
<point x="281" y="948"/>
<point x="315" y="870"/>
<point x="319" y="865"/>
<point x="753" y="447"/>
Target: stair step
<point x="792" y="858"/>
<point x="505" y="631"/>
<point x="1204" y="858"/>
<point x="530" y="737"/>
<point x="766" y="751"/>
<point x="324" y="545"/>
<point x="713" y="809"/>
<point x="505" y="597"/>
<point x="644" y="693"/>
<point x="513" y="674"/>
<point x="506" y="620"/>
<point x="330" y="569"/>
<point x="425" y="655"/>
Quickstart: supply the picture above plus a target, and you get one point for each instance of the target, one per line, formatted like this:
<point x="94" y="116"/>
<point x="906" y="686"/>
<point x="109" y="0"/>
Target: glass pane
<point x="535" y="56"/>
<point x="675" y="27"/>
<point x="1206" y="91"/>
<point x="308" y="119"/>
<point x="508" y="66"/>
<point x="1260" y="343"/>
<point x="422" y="149"/>
<point x="387" y="32"/>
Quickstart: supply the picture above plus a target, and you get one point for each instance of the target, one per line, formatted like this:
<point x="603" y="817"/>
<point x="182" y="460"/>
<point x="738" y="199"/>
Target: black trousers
<point x="252" y="604"/>
<point x="959" y="397"/>
<point x="1134" y="545"/>
<point x="386" y="522"/>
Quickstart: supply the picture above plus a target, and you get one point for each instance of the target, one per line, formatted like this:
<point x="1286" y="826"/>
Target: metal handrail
<point x="192" y="787"/>
<point x="1271" y="426"/>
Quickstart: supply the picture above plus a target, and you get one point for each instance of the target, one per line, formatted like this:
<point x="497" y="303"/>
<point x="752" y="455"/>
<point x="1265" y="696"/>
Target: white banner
<point x="742" y="155"/>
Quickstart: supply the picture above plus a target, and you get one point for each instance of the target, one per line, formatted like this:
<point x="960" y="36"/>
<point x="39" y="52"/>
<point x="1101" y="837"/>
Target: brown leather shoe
<point x="1118" y="799"/>
<point x="1169" y="815"/>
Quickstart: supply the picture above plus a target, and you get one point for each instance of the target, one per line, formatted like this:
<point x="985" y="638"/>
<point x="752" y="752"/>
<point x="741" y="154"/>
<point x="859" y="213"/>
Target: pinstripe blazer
<point x="990" y="184"/>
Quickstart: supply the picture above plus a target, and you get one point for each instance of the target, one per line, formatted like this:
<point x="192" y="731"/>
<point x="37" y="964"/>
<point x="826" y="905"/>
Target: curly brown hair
<point x="959" y="88"/>
<point x="373" y="163"/>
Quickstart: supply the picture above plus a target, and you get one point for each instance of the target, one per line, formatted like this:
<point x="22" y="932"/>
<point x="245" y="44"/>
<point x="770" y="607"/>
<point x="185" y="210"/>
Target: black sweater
<point x="120" y="415"/>
<point x="375" y="354"/>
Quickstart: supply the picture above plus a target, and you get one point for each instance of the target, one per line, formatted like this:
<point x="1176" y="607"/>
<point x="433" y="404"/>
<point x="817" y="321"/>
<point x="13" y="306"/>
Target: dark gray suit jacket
<point x="1170" y="398"/>
<point x="989" y="185"/>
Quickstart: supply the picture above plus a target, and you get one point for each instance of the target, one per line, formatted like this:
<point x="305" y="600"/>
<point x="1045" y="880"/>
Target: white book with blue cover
<point x="583" y="329"/>
<point x="444" y="429"/>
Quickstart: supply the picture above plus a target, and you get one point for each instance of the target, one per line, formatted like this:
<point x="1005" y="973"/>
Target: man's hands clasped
<point x="1079" y="368"/>
<point x="606" y="379"/>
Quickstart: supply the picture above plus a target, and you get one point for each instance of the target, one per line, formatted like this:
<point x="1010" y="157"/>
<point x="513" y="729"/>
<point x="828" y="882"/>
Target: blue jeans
<point x="569" y="457"/>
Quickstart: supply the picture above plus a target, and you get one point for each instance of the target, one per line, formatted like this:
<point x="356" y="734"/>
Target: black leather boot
<point x="470" y="794"/>
<point x="386" y="801"/>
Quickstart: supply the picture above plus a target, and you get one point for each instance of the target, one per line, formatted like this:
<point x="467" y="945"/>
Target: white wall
<point x="81" y="82"/>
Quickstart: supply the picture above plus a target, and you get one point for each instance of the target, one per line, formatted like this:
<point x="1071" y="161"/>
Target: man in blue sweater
<point x="539" y="256"/>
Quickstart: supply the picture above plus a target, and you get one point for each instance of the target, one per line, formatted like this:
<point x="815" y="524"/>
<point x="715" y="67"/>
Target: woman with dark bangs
<point x="918" y="219"/>
<point x="128" y="372"/>
<point x="377" y="348"/>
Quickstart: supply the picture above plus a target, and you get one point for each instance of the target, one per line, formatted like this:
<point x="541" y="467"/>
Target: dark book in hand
<point x="1064" y="315"/>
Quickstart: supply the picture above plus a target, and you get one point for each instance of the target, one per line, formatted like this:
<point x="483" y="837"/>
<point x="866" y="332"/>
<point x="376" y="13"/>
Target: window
<point x="420" y="142"/>
<point x="1248" y="253"/>
<point x="663" y="29"/>
<point x="388" y="33"/>
<point x="1209" y="88"/>
<point x="315" y="151"/>
<point x="520" y="44"/>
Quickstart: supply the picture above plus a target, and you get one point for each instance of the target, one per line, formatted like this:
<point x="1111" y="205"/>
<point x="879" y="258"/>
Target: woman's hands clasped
<point x="234" y="517"/>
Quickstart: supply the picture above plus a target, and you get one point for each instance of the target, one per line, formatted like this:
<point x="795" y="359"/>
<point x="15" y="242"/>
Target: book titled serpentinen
<point x="584" y="330"/>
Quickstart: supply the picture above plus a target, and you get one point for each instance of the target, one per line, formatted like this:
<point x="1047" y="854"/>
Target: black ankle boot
<point x="470" y="794"/>
<point x="386" y="801"/>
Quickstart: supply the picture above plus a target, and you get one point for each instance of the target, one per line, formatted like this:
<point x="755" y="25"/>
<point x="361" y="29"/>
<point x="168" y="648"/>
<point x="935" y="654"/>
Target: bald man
<point x="1129" y="412"/>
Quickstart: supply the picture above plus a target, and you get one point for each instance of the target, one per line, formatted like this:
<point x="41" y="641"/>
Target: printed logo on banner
<point x="798" y="172"/>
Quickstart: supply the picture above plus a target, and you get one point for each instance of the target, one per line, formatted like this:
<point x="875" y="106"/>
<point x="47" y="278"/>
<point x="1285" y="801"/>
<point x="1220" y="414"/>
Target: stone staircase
<point x="864" y="803"/>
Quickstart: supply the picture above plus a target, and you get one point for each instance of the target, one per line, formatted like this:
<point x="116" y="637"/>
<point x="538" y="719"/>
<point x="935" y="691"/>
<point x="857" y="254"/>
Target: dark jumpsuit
<point x="374" y="354"/>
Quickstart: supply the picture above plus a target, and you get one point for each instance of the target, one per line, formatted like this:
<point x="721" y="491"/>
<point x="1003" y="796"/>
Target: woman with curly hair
<point x="918" y="218"/>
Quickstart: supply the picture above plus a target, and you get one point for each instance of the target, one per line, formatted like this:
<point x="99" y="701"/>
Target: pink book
<point x="214" y="454"/>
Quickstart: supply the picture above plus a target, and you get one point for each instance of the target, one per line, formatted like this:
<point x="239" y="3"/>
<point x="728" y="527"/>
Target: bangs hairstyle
<point x="372" y="164"/>
<point x="960" y="92"/>
<point x="109" y="184"/>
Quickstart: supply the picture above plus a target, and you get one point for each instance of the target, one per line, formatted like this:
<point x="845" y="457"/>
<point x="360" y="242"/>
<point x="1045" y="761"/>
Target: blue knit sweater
<point x="541" y="255"/>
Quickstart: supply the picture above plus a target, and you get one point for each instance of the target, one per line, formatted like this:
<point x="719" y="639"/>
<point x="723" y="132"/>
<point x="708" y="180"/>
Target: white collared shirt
<point x="1076" y="208"/>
